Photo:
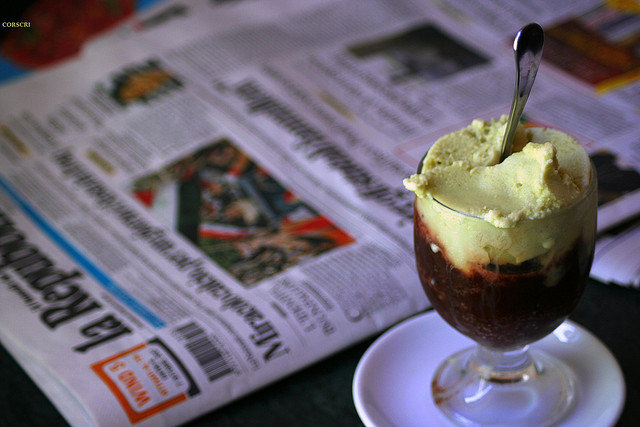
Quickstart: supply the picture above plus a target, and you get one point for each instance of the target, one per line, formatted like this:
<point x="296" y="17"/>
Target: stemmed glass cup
<point x="504" y="288"/>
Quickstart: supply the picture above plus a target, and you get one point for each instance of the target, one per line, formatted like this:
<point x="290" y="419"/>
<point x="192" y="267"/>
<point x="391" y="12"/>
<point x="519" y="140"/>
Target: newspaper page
<point x="187" y="216"/>
<point x="172" y="267"/>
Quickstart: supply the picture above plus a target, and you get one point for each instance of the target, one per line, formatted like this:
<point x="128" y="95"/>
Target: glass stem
<point x="503" y="366"/>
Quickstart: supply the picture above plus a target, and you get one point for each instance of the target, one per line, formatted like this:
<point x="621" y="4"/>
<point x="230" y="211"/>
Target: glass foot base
<point x="480" y="386"/>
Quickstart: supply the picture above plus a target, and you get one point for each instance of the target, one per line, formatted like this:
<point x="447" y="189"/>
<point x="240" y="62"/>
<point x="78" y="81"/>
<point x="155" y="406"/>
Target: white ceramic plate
<point x="391" y="386"/>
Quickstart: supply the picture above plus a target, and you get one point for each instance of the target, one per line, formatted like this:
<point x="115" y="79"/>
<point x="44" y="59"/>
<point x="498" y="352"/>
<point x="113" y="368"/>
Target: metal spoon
<point x="527" y="48"/>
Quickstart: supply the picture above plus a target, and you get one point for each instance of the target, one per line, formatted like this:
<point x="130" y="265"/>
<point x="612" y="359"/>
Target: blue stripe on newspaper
<point x="82" y="260"/>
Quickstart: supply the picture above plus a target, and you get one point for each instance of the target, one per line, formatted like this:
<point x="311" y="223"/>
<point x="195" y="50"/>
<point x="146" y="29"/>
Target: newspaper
<point x="209" y="198"/>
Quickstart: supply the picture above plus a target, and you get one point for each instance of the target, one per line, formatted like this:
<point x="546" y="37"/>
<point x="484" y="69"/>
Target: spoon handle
<point x="527" y="49"/>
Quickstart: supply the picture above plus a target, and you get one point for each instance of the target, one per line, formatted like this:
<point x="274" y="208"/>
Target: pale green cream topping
<point x="546" y="171"/>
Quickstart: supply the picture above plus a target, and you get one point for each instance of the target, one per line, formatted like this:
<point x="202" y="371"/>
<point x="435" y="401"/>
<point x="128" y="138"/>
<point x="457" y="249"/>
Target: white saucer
<point x="391" y="386"/>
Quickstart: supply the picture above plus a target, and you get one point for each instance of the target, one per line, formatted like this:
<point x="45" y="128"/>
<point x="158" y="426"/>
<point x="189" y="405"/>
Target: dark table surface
<point x="320" y="395"/>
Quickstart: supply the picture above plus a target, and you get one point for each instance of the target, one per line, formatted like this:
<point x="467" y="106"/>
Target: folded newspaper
<point x="210" y="196"/>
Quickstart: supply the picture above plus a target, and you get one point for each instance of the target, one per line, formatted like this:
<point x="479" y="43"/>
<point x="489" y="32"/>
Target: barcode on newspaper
<point x="210" y="359"/>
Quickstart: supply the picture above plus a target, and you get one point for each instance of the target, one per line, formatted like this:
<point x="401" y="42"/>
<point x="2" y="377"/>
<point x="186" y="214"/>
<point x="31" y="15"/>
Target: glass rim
<point x="593" y="178"/>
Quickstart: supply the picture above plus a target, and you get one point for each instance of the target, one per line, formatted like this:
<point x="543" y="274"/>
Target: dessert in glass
<point x="503" y="251"/>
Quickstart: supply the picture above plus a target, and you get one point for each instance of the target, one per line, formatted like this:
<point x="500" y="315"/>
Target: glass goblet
<point x="504" y="288"/>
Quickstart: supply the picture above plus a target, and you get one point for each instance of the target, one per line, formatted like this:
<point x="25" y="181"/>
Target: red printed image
<point x="58" y="29"/>
<point x="600" y="47"/>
